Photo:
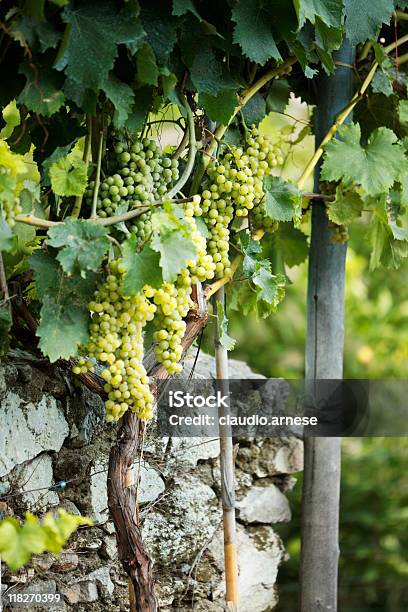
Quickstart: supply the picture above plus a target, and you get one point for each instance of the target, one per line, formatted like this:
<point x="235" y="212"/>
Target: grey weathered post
<point x="324" y="360"/>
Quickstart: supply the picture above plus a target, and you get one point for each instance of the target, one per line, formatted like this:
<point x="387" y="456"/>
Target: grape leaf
<point x="96" y="29"/>
<point x="175" y="250"/>
<point x="253" y="31"/>
<point x="147" y="70"/>
<point x="68" y="176"/>
<point x="346" y="207"/>
<point x="64" y="316"/>
<point x="62" y="329"/>
<point x="270" y="287"/>
<point x="292" y="243"/>
<point x="83" y="245"/>
<point x="31" y="31"/>
<point x="19" y="542"/>
<point x="141" y="106"/>
<point x="283" y="200"/>
<point x="403" y="111"/>
<point x="83" y="97"/>
<point x="141" y="268"/>
<point x="329" y="11"/>
<point x="222" y="325"/>
<point x="207" y="72"/>
<point x="364" y="19"/>
<point x="56" y="155"/>
<point x="161" y="29"/>
<point x="181" y="7"/>
<point x="220" y="107"/>
<point x="386" y="250"/>
<point x="278" y="96"/>
<point x="42" y="92"/>
<point x="251" y="249"/>
<point x="382" y="83"/>
<point x="122" y="98"/>
<point x="254" y="110"/>
<point x="375" y="167"/>
<point x="11" y="116"/>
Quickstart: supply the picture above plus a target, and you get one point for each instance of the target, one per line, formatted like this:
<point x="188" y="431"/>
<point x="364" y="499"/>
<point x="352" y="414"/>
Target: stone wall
<point x="53" y="430"/>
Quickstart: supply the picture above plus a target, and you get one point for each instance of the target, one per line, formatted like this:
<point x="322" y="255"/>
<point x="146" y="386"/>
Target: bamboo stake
<point x="227" y="473"/>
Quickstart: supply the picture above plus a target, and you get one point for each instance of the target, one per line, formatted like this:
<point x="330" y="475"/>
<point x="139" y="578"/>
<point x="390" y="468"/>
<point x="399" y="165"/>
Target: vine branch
<point x="97" y="177"/>
<point x="87" y="156"/>
<point x="191" y="151"/>
<point x="127" y="216"/>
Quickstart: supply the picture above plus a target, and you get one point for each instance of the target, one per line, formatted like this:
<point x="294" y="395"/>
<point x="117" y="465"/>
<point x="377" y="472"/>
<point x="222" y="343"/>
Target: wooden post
<point x="227" y="474"/>
<point x="324" y="360"/>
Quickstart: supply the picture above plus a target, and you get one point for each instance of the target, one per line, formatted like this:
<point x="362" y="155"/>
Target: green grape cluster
<point x="202" y="268"/>
<point x="116" y="339"/>
<point x="173" y="302"/>
<point x="234" y="189"/>
<point x="141" y="174"/>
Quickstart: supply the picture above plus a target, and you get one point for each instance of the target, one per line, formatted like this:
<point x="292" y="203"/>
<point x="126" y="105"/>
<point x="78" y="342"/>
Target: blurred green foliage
<point x="373" y="572"/>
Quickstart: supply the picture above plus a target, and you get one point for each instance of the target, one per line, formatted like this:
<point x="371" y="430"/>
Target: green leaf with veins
<point x="255" y="110"/>
<point x="29" y="31"/>
<point x="19" y="542"/>
<point x="63" y="327"/>
<point x="220" y="107"/>
<point x="346" y="207"/>
<point x="283" y="201"/>
<point x="382" y="83"/>
<point x="64" y="316"/>
<point x="42" y="93"/>
<point x="375" y="167"/>
<point x="91" y="44"/>
<point x="262" y="294"/>
<point x="208" y="73"/>
<point x="292" y="243"/>
<point x="253" y="31"/>
<point x="56" y="155"/>
<point x="329" y="11"/>
<point x="122" y="97"/>
<point x="386" y="250"/>
<point x="222" y="325"/>
<point x="82" y="245"/>
<point x="175" y="250"/>
<point x="68" y="176"/>
<point x="251" y="249"/>
<point x="147" y="69"/>
<point x="141" y="268"/>
<point x="270" y="287"/>
<point x="364" y="19"/>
